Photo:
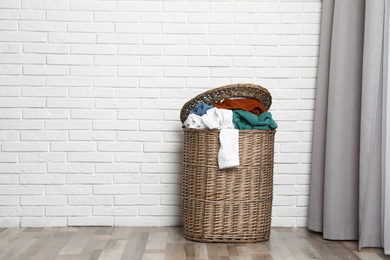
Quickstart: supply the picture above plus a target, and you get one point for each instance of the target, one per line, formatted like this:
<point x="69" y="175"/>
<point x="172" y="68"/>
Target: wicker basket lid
<point x="212" y="96"/>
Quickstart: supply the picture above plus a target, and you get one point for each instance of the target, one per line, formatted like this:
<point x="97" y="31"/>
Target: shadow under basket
<point x="228" y="205"/>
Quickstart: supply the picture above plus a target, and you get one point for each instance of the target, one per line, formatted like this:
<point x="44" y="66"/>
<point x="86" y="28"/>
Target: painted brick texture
<point x="90" y="94"/>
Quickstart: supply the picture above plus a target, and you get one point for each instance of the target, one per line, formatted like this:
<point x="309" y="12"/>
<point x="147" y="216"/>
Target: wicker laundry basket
<point x="229" y="205"/>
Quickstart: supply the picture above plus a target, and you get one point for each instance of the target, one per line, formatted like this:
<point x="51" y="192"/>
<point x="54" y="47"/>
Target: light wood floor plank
<point x="168" y="243"/>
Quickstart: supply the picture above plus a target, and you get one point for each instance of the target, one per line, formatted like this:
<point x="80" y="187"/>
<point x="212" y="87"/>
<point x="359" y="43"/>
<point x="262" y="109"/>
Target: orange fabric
<point x="247" y="104"/>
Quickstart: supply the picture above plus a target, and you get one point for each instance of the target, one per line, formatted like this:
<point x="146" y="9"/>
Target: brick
<point x="304" y="18"/>
<point x="36" y="37"/>
<point x="10" y="70"/>
<point x="10" y="48"/>
<point x="232" y="72"/>
<point x="42" y="157"/>
<point x="8" y="158"/>
<point x="10" y="113"/>
<point x="10" y="14"/>
<point x="24" y="147"/>
<point x="117" y="17"/>
<point x="278" y="73"/>
<point x="232" y="51"/>
<point x="69" y="103"/>
<point x="122" y="82"/>
<point x="93" y="49"/>
<point x="45" y="113"/>
<point x="68" y="82"/>
<point x="186" y="72"/>
<point x="88" y="179"/>
<point x="299" y="62"/>
<point x="160" y="211"/>
<point x="211" y="39"/>
<point x="184" y="29"/>
<point x="210" y="18"/>
<point x="283" y="222"/>
<point x="68" y="190"/>
<point x="164" y="39"/>
<point x="140" y="72"/>
<point x="258" y="19"/>
<point x="162" y="104"/>
<point x="90" y="221"/>
<point x="135" y="200"/>
<point x="170" y="200"/>
<point x="139" y="136"/>
<point x="160" y="189"/>
<point x="44" y="92"/>
<point x="22" y="80"/>
<point x="10" y="4"/>
<point x="303" y="40"/>
<point x="160" y="168"/>
<point x="312" y="29"/>
<point x="46" y="48"/>
<point x="171" y="178"/>
<point x="294" y="168"/>
<point x="8" y="179"/>
<point x="70" y="168"/>
<point x="93" y="114"/>
<point x="69" y="60"/>
<point x="132" y="114"/>
<point x="91" y="93"/>
<point x="161" y="83"/>
<point x="119" y="147"/>
<point x="284" y="180"/>
<point x="279" y="7"/>
<point x="117" y="168"/>
<point x="10" y="222"/>
<point x="246" y="7"/>
<point x="296" y="104"/>
<point x="20" y="125"/>
<point x="115" y="211"/>
<point x="67" y="125"/>
<point x="101" y="71"/>
<point x="120" y="125"/>
<point x="291" y="211"/>
<point x="21" y="212"/>
<point x="22" y="102"/>
<point x="44" y="222"/>
<point x="139" y="6"/>
<point x="158" y="17"/>
<point x="21" y="190"/>
<point x="210" y="61"/>
<point x="95" y="200"/>
<point x="73" y="146"/>
<point x="181" y="50"/>
<point x="42" y="26"/>
<point x="45" y="70"/>
<point x="83" y="38"/>
<point x="143" y="28"/>
<point x="119" y="38"/>
<point x="93" y="5"/>
<point x="118" y="189"/>
<point x="283" y="201"/>
<point x="69" y="16"/>
<point x="135" y="179"/>
<point x="9" y="200"/>
<point x="266" y="51"/>
<point x="257" y="40"/>
<point x="279" y="29"/>
<point x="68" y="211"/>
<point x="292" y="190"/>
<point x="312" y="7"/>
<point x="9" y="135"/>
<point x="90" y="157"/>
<point x="46" y="4"/>
<point x="116" y="61"/>
<point x="171" y="158"/>
<point x="91" y="135"/>
<point x="89" y="27"/>
<point x="162" y="147"/>
<point x="43" y="136"/>
<point x="137" y="93"/>
<point x="42" y="179"/>
<point x="43" y="200"/>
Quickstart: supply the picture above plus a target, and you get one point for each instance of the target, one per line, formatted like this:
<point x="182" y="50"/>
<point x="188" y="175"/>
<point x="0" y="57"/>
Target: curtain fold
<point x="346" y="179"/>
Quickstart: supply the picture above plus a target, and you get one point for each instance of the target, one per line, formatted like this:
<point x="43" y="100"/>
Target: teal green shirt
<point x="244" y="120"/>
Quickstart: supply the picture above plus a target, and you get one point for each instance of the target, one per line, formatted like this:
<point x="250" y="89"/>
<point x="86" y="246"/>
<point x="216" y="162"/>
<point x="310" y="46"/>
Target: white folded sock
<point x="228" y="156"/>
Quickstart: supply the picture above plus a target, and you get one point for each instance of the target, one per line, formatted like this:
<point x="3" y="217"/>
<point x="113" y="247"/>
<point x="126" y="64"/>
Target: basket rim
<point x="246" y="90"/>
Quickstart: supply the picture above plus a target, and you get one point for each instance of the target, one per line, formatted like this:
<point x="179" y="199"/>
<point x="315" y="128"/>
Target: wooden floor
<point x="168" y="243"/>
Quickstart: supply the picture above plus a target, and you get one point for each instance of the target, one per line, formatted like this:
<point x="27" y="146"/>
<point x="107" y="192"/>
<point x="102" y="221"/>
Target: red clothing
<point x="247" y="104"/>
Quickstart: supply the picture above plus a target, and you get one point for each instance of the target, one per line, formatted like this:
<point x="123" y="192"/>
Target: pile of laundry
<point x="230" y="116"/>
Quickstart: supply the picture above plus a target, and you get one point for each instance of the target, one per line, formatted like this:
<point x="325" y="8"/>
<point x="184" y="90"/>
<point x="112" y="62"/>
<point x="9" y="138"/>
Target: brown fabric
<point x="247" y="104"/>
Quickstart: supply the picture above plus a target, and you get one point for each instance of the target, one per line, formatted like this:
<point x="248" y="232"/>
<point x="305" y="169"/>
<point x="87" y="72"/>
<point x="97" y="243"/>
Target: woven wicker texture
<point x="229" y="205"/>
<point x="235" y="90"/>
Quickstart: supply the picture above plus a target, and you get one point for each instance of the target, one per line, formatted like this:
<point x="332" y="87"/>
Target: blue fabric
<point x="201" y="109"/>
<point x="244" y="120"/>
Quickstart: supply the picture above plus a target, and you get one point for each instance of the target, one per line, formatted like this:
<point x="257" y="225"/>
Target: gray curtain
<point x="346" y="178"/>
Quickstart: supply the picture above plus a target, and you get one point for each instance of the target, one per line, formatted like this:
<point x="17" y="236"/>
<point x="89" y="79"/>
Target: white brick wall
<point x="90" y="94"/>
